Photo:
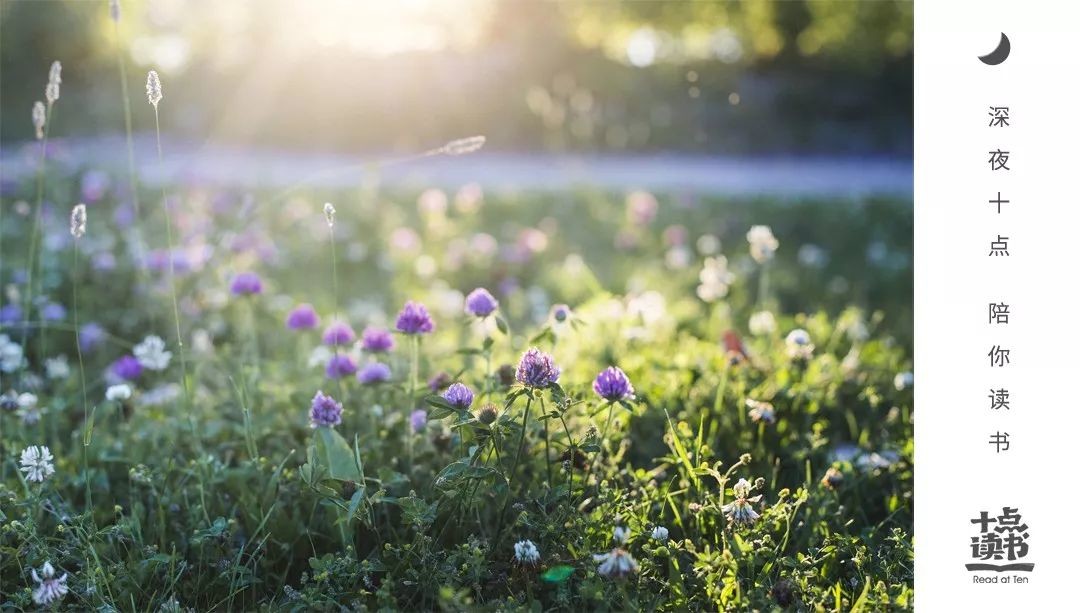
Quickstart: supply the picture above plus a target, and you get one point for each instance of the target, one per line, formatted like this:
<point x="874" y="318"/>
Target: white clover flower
<point x="57" y="368"/>
<point x="742" y="488"/>
<point x="763" y="244"/>
<point x="762" y="323"/>
<point x="36" y="462"/>
<point x="11" y="355"/>
<point x="526" y="553"/>
<point x="877" y="460"/>
<point x="330" y="213"/>
<point x="812" y="256"/>
<point x="616" y="564"/>
<point x="799" y="345"/>
<point x="28" y="410"/>
<point x="708" y="244"/>
<point x="120" y="391"/>
<point x="153" y="88"/>
<point x="37" y="115"/>
<point x="715" y="279"/>
<point x="620" y="535"/>
<point x="903" y="380"/>
<point x="160" y="395"/>
<point x="741" y="510"/>
<point x="151" y="353"/>
<point x="78" y="220"/>
<point x="659" y="533"/>
<point x="761" y="411"/>
<point x="50" y="588"/>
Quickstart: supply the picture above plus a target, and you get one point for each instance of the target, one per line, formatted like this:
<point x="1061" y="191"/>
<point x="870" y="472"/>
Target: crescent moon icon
<point x="998" y="55"/>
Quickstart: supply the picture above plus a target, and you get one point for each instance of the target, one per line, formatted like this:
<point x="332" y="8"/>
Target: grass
<point x="254" y="509"/>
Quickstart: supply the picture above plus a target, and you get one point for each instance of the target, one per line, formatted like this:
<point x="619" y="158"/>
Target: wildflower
<point x="302" y="317"/>
<point x="463" y="146"/>
<point x="418" y="420"/>
<point x="340" y="365"/>
<point x="151" y="353"/>
<point x="761" y="411"/>
<point x="153" y="88"/>
<point x="877" y="460"/>
<point x="812" y="256"/>
<point x="118" y="392"/>
<point x="783" y="592"/>
<point x="11" y="355"/>
<point x="160" y="395"/>
<point x="616" y="564"/>
<point x="28" y="410"/>
<point x="126" y="368"/>
<point x="91" y="336"/>
<point x="114" y="10"/>
<point x="376" y="340"/>
<point x="480" y="303"/>
<point x="526" y="553"/>
<point x="439" y="381"/>
<point x="560" y="313"/>
<point x="246" y="284"/>
<point x="763" y="244"/>
<point x="325" y="411"/>
<point x="762" y="323"/>
<point x="78" y="221"/>
<point x="373" y="373"/>
<point x="52" y="90"/>
<point x="330" y="213"/>
<point x="38" y="117"/>
<point x="57" y="368"/>
<point x="487" y="414"/>
<point x="506" y="375"/>
<point x="641" y="207"/>
<point x="37" y="463"/>
<point x="741" y="510"/>
<point x="613" y="385"/>
<point x="459" y="396"/>
<point x="537" y="369"/>
<point x="9" y="401"/>
<point x="53" y="311"/>
<point x="798" y="343"/>
<point x="833" y="478"/>
<point x="620" y="535"/>
<point x="11" y="314"/>
<point x="659" y="533"/>
<point x="903" y="380"/>
<point x="715" y="279"/>
<point x="414" y="319"/>
<point x="50" y="588"/>
<point x="338" y="333"/>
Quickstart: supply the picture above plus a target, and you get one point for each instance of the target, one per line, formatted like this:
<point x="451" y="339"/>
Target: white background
<point x="957" y="472"/>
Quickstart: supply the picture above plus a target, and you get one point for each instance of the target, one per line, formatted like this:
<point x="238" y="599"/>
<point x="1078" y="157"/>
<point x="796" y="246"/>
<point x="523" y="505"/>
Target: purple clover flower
<point x="373" y="373"/>
<point x="418" y="420"/>
<point x="53" y="311"/>
<point x="127" y="368"/>
<point x="376" y="340"/>
<point x="246" y="284"/>
<point x="338" y="333"/>
<point x="325" y="411"/>
<point x="340" y="365"/>
<point x="440" y="380"/>
<point x="480" y="303"/>
<point x="537" y="369"/>
<point x="91" y="336"/>
<point x="612" y="384"/>
<point x="459" y="396"/>
<point x="560" y="313"/>
<point x="10" y="314"/>
<point x="303" y="317"/>
<point x="414" y="319"/>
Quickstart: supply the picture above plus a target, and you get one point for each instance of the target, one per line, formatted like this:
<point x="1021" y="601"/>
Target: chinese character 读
<point x="999" y="399"/>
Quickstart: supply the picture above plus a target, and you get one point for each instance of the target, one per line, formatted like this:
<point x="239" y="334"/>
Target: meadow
<point x="449" y="399"/>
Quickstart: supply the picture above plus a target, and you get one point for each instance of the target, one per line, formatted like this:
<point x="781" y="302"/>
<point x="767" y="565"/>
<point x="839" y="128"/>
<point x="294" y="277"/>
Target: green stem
<point x="82" y="370"/>
<point x="31" y="256"/>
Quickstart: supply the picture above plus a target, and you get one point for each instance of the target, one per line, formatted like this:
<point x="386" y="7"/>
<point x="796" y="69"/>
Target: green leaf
<point x="335" y="455"/>
<point x="557" y="574"/>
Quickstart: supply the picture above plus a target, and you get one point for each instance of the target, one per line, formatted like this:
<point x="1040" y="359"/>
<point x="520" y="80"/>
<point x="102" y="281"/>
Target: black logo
<point x="1001" y="538"/>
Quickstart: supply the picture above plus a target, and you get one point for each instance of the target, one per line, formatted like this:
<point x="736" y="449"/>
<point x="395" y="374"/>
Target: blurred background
<point x="747" y="77"/>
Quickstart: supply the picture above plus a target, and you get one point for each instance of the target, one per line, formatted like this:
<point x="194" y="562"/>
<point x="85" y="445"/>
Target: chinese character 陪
<point x="999" y="313"/>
